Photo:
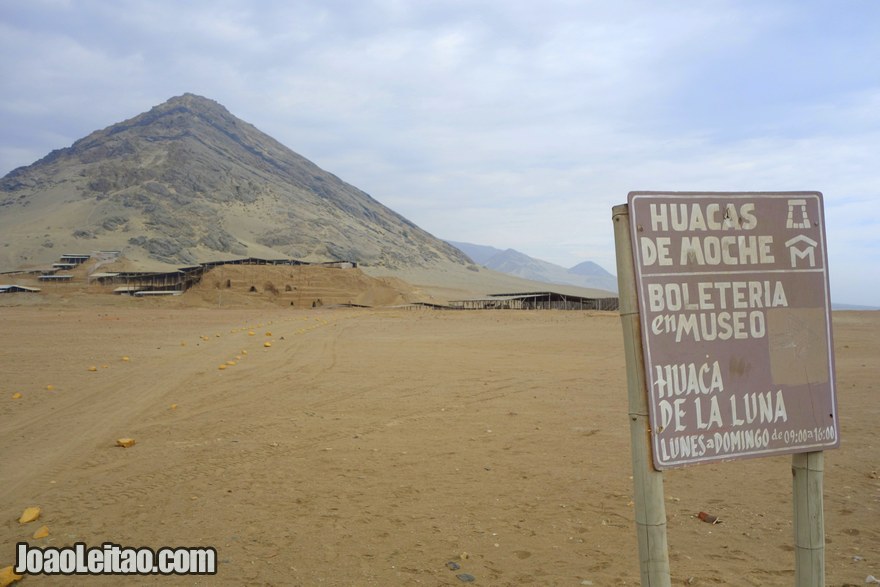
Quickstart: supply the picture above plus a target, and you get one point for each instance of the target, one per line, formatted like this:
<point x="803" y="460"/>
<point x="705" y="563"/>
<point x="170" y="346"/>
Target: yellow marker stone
<point x="230" y="363"/>
<point x="251" y="333"/>
<point x="125" y="442"/>
<point x="173" y="406"/>
<point x="221" y="367"/>
<point x="8" y="576"/>
<point x="268" y="333"/>
<point x="42" y="532"/>
<point x="16" y="395"/>
<point x="125" y="359"/>
<point x="50" y="387"/>
<point x="29" y="515"/>
<point x="267" y="344"/>
<point x="92" y="368"/>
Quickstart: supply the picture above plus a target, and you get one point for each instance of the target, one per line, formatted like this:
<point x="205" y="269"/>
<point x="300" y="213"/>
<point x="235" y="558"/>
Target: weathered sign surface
<point x="736" y="324"/>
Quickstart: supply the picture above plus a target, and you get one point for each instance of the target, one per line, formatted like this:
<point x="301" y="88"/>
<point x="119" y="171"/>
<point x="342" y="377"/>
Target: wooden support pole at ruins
<point x="650" y="509"/>
<point x="808" y="471"/>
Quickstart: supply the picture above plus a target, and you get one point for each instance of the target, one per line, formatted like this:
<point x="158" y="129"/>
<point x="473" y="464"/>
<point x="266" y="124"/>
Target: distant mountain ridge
<point x="188" y="182"/>
<point x="587" y="274"/>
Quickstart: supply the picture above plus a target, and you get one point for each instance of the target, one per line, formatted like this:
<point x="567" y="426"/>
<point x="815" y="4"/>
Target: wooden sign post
<point x="726" y="315"/>
<point x="809" y="519"/>
<point x="650" y="508"/>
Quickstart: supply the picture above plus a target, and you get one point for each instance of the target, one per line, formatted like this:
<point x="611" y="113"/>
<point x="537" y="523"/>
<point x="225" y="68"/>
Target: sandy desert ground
<point x="372" y="447"/>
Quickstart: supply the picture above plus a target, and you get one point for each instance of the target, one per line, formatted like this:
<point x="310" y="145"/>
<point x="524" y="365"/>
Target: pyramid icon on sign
<point x="797" y="214"/>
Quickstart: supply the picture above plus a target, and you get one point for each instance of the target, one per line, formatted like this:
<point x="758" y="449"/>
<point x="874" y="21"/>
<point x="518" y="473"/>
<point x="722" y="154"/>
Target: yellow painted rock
<point x="42" y="532"/>
<point x="50" y="387"/>
<point x="244" y="352"/>
<point x="30" y="514"/>
<point x="8" y="576"/>
<point x="268" y="333"/>
<point x="125" y="359"/>
<point x="251" y="333"/>
<point x="16" y="395"/>
<point x="230" y="363"/>
<point x="267" y="344"/>
<point x="92" y="368"/>
<point x="105" y="366"/>
<point x="125" y="442"/>
<point x="221" y="367"/>
<point x="173" y="406"/>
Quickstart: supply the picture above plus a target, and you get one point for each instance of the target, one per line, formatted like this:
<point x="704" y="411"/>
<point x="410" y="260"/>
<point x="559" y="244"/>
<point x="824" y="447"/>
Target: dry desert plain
<point x="374" y="446"/>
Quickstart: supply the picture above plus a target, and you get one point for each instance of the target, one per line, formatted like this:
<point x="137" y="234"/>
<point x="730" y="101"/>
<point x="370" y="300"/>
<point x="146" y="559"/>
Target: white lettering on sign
<point x="705" y="250"/>
<point x="656" y="251"/>
<point x="759" y="406"/>
<point x="708" y="250"/>
<point x="714" y="310"/>
<point x="706" y="327"/>
<point x="687" y="378"/>
<point x="675" y="382"/>
<point x="694" y="217"/>
<point x="712" y="295"/>
<point x="737" y="441"/>
<point x="750" y="409"/>
<point x="726" y="250"/>
<point x="730" y="287"/>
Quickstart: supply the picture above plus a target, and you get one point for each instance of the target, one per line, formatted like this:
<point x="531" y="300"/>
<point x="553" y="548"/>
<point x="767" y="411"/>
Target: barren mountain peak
<point x="187" y="181"/>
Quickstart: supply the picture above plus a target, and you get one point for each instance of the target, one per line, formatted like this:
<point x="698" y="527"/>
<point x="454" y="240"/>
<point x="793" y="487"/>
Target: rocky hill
<point x="587" y="274"/>
<point x="187" y="181"/>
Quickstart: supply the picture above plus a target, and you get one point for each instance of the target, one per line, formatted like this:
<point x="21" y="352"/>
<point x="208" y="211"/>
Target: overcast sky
<point x="511" y="123"/>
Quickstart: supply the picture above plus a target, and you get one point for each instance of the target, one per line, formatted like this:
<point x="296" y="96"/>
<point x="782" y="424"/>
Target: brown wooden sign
<point x="736" y="324"/>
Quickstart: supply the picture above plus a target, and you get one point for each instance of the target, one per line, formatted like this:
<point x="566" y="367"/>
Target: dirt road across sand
<point x="373" y="447"/>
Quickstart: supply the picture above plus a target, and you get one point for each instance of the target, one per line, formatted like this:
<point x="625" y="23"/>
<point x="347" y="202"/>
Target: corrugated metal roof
<point x="500" y="298"/>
